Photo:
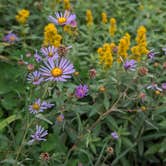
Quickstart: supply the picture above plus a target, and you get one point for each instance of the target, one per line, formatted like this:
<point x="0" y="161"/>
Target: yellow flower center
<point x="56" y="72"/>
<point x="12" y="38"/>
<point x="62" y="20"/>
<point x="50" y="54"/>
<point x="36" y="106"/>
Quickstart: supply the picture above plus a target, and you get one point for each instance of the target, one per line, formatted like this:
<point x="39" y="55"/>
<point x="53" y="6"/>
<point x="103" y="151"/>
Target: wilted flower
<point x="57" y="71"/>
<point x="35" y="78"/>
<point x="10" y="38"/>
<point x="154" y="87"/>
<point x="39" y="134"/>
<point x="142" y="96"/>
<point x="38" y="58"/>
<point x="39" y="106"/>
<point x="110" y="150"/>
<point x="62" y="19"/>
<point x="62" y="50"/>
<point x="114" y="135"/>
<point x="45" y="156"/>
<point x="130" y="64"/>
<point x="142" y="71"/>
<point x="92" y="73"/>
<point x="81" y="91"/>
<point x="50" y="52"/>
<point x="163" y="86"/>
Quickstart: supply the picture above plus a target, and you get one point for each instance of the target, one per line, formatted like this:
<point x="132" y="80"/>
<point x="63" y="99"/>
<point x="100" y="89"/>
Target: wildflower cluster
<point x="123" y="47"/>
<point x="141" y="47"/>
<point x="51" y="36"/>
<point x="105" y="55"/>
<point x="112" y="28"/>
<point x="89" y="17"/>
<point x="22" y="16"/>
<point x="104" y="17"/>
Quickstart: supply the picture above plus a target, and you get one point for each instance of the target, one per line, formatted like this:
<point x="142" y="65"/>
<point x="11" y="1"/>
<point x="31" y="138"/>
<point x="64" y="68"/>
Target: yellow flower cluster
<point x="89" y="17"/>
<point x="67" y="4"/>
<point x="123" y="47"/>
<point x="22" y="16"/>
<point x="51" y="36"/>
<point x="104" y="17"/>
<point x="112" y="28"/>
<point x="141" y="47"/>
<point x="105" y="55"/>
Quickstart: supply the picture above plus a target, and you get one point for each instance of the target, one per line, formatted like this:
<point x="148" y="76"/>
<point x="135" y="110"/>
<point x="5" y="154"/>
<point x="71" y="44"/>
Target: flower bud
<point x="157" y="92"/>
<point x="44" y="156"/>
<point x="102" y="89"/>
<point x="76" y="73"/>
<point x="92" y="73"/>
<point x="110" y="150"/>
<point x="30" y="67"/>
<point x="143" y="108"/>
<point x="142" y="71"/>
<point x="156" y="64"/>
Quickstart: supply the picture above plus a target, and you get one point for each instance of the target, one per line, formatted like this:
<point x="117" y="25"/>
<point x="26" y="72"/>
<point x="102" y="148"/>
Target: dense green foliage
<point x="84" y="136"/>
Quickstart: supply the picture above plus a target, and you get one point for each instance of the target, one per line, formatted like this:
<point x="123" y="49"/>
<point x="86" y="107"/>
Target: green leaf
<point x="42" y="117"/>
<point x="9" y="120"/>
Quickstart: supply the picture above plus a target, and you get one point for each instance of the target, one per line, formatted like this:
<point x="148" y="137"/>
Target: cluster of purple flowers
<point x="54" y="68"/>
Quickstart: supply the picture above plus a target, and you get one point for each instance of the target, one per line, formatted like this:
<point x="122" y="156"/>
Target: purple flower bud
<point x="114" y="135"/>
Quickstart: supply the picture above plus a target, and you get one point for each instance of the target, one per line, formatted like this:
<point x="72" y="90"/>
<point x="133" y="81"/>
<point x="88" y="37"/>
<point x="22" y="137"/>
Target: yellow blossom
<point x="89" y="17"/>
<point x="105" y="55"/>
<point x="67" y="4"/>
<point x="104" y="17"/>
<point x="112" y="28"/>
<point x="123" y="47"/>
<point x="141" y="47"/>
<point x="22" y="16"/>
<point x="51" y="36"/>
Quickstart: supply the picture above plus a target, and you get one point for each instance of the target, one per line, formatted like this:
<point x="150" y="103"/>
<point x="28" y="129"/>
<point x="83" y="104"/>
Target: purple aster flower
<point x="39" y="106"/>
<point x="39" y="134"/>
<point x="151" y="54"/>
<point x="10" y="38"/>
<point x="59" y="70"/>
<point x="62" y="19"/>
<point x="35" y="78"/>
<point x="50" y="52"/>
<point x="130" y="64"/>
<point x="81" y="91"/>
<point x="154" y="87"/>
<point x="38" y="58"/>
<point x="114" y="135"/>
<point x="163" y="86"/>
